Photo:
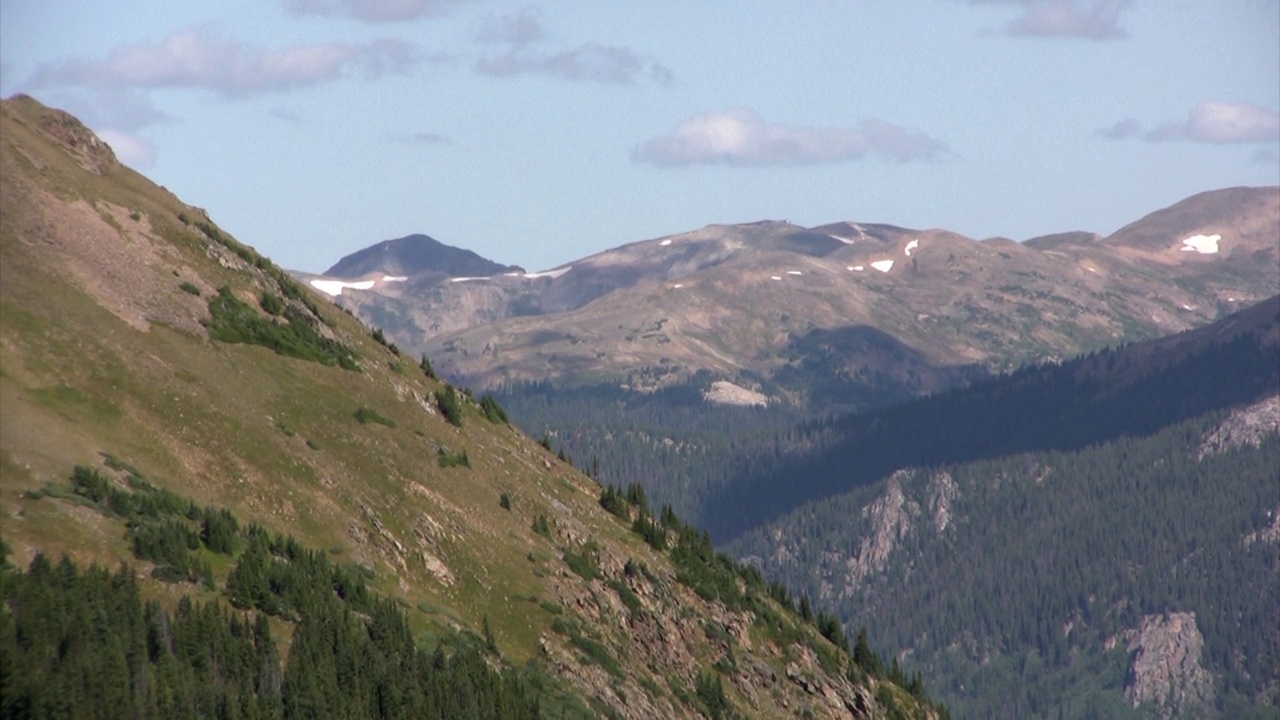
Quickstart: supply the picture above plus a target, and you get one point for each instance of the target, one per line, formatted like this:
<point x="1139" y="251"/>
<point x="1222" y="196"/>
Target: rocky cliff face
<point x="1165" y="671"/>
<point x="1247" y="426"/>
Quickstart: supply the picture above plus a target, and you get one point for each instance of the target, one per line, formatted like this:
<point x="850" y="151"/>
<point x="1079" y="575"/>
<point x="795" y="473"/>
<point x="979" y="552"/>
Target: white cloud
<point x="132" y="150"/>
<point x="589" y="61"/>
<point x="1221" y="122"/>
<point x="1089" y="19"/>
<point x="373" y="10"/>
<point x="198" y="58"/>
<point x="741" y="137"/>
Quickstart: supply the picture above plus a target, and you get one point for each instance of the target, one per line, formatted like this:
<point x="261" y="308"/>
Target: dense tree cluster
<point x="232" y="320"/>
<point x="85" y="644"/>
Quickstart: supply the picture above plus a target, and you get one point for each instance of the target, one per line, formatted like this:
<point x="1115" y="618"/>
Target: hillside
<point x="173" y="400"/>
<point x="1086" y="538"/>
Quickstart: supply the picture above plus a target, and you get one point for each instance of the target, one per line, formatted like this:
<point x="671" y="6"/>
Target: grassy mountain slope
<point x="112" y="292"/>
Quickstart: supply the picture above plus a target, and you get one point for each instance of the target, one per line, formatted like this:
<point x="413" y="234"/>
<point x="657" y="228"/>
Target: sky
<point x="535" y="134"/>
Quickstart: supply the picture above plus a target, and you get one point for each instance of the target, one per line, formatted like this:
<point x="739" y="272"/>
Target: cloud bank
<point x="743" y="138"/>
<point x="198" y="58"/>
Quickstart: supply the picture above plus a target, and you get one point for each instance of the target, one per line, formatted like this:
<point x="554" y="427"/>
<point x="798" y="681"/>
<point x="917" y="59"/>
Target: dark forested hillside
<point x="1036" y="583"/>
<point x="1130" y="391"/>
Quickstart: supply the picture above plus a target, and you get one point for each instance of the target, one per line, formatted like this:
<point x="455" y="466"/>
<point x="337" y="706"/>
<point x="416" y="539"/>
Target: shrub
<point x="452" y="459"/>
<point x="271" y="303"/>
<point x="189" y="288"/>
<point x="368" y="415"/>
<point x="541" y="526"/>
<point x="492" y="410"/>
<point x="450" y="408"/>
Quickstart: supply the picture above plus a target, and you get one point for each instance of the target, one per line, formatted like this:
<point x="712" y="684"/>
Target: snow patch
<point x="666" y="242"/>
<point x="912" y="246"/>
<point x="466" y="279"/>
<point x="677" y="286"/>
<point x="845" y="240"/>
<point x="855" y="268"/>
<point x="1203" y="244"/>
<point x="511" y="274"/>
<point x="395" y="278"/>
<point x="335" y="287"/>
<point x="775" y="277"/>
<point x="883" y="266"/>
<point x="549" y="273"/>
<point x="794" y="272"/>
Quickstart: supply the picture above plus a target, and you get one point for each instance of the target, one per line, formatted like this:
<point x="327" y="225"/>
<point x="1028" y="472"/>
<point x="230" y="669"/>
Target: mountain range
<point x="782" y="310"/>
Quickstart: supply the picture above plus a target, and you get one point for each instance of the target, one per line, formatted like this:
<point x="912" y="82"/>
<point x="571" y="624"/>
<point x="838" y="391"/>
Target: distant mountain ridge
<point x="756" y="302"/>
<point x="415" y="254"/>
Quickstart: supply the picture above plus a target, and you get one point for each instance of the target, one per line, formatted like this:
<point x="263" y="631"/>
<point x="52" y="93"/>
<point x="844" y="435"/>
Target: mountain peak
<point x="415" y="254"/>
<point x="89" y="150"/>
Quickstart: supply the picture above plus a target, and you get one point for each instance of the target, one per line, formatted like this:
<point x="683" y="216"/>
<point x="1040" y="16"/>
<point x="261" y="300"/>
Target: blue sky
<point x="539" y="133"/>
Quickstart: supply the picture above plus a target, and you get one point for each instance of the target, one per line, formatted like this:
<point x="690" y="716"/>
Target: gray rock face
<point x="1247" y="426"/>
<point x="1165" y="669"/>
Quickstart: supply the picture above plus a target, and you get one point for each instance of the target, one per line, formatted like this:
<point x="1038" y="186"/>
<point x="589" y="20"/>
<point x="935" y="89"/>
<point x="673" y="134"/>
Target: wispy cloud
<point x="199" y="58"/>
<point x="517" y="29"/>
<point x="521" y="31"/>
<point x="1223" y="122"/>
<point x="422" y="138"/>
<point x="589" y="62"/>
<point x="386" y="11"/>
<point x="742" y="138"/>
<point x="1087" y="19"/>
<point x="1121" y="130"/>
<point x="1266" y="157"/>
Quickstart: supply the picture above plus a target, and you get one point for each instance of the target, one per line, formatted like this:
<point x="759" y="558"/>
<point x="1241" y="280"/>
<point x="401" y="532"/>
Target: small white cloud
<point x="590" y="62"/>
<point x="1220" y="122"/>
<point x="741" y="137"/>
<point x="1096" y="20"/>
<point x="132" y="150"/>
<point x="373" y="10"/>
<point x="198" y="58"/>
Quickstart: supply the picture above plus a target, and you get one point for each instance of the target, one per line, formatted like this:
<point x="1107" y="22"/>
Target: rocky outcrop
<point x="942" y="493"/>
<point x="1247" y="426"/>
<point x="1165" y="670"/>
<point x="724" y="392"/>
<point x="889" y="517"/>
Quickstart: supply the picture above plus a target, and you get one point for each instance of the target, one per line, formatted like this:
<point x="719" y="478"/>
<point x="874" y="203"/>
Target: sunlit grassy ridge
<point x="105" y="350"/>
